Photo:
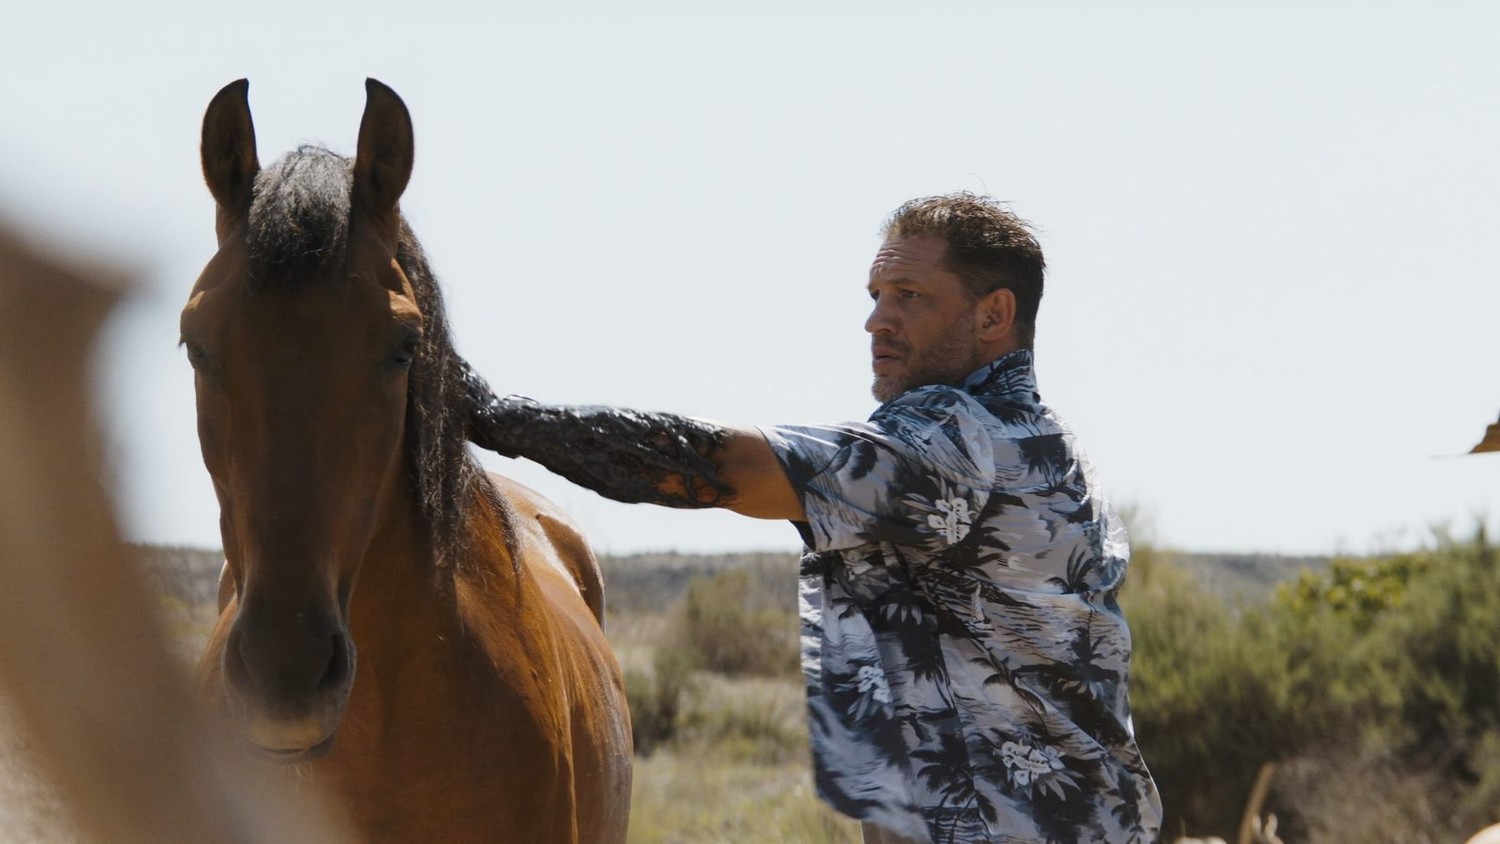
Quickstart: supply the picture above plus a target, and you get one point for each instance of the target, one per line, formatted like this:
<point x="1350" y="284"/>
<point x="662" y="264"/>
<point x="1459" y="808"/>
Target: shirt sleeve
<point x="917" y="473"/>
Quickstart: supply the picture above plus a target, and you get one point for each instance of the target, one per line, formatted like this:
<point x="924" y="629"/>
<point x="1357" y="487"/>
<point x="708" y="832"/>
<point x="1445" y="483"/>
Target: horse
<point x="419" y="638"/>
<point x="84" y="660"/>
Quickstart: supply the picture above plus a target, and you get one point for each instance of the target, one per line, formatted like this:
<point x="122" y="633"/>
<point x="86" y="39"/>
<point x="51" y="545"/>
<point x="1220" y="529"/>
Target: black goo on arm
<point x="626" y="455"/>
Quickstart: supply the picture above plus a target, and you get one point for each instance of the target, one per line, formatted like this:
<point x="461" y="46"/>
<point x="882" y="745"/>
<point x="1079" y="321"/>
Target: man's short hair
<point x="988" y="247"/>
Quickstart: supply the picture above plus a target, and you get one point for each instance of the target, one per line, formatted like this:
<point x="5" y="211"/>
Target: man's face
<point x="923" y="327"/>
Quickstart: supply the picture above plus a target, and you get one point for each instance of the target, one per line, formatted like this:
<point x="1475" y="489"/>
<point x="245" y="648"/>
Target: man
<point x="965" y="658"/>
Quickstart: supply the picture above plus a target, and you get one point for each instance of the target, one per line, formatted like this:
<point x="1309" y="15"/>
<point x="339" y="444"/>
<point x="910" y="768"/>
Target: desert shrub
<point x="1204" y="695"/>
<point x="1443" y="649"/>
<point x="733" y="623"/>
<point x="1217" y="690"/>
<point x="656" y="698"/>
<point x="1406" y="646"/>
<point x="752" y="720"/>
<point x="1377" y="660"/>
<point x="1359" y="591"/>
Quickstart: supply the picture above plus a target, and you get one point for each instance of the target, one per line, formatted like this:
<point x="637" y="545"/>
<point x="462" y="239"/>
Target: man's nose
<point x="880" y="320"/>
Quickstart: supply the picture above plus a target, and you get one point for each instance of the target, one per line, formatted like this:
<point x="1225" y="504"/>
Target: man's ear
<point x="996" y="315"/>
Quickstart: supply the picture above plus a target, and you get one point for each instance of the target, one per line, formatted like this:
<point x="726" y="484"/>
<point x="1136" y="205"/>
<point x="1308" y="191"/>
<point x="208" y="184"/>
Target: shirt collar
<point x="1009" y="374"/>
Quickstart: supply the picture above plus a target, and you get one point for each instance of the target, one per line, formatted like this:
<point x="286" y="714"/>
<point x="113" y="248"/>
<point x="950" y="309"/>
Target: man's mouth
<point x="884" y="357"/>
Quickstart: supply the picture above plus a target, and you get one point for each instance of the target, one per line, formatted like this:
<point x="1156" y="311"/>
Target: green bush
<point x="1358" y="590"/>
<point x="1205" y="695"/>
<point x="732" y="623"/>
<point x="656" y="699"/>
<point x="1383" y="659"/>
<point x="1443" y="648"/>
<point x="752" y="720"/>
<point x="735" y="624"/>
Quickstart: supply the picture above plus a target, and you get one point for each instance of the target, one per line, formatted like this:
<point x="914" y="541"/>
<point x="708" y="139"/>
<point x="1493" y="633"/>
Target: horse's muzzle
<point x="288" y="680"/>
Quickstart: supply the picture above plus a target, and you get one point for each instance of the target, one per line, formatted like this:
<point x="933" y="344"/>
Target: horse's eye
<point x="197" y="358"/>
<point x="405" y="353"/>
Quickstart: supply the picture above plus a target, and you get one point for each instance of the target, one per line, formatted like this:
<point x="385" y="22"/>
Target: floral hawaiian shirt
<point x="965" y="657"/>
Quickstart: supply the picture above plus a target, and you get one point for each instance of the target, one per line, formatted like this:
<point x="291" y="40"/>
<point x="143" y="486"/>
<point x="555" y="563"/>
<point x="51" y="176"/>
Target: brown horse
<point x="487" y="704"/>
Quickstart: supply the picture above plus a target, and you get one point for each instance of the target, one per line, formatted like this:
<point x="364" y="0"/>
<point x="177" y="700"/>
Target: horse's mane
<point x="298" y="228"/>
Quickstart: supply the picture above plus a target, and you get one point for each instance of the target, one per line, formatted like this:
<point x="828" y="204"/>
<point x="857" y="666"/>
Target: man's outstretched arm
<point x="631" y="456"/>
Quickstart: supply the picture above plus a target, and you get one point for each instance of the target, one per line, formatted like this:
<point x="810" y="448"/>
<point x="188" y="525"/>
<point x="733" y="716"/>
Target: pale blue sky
<point x="1273" y="290"/>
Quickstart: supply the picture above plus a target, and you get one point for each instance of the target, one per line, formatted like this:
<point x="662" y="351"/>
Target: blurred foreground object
<point x="82" y="653"/>
<point x="1491" y="441"/>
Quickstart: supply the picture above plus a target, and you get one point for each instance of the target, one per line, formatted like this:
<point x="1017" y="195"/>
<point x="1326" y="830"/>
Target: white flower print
<point x="952" y="518"/>
<point x="1032" y="768"/>
<point x="872" y="682"/>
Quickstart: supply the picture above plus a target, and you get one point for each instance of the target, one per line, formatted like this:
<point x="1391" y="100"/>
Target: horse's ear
<point x="229" y="160"/>
<point x="383" y="162"/>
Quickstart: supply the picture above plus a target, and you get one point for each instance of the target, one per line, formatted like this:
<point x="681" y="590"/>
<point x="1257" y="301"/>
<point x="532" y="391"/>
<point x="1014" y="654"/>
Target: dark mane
<point x="297" y="229"/>
<point x="299" y="216"/>
<point x="437" y="419"/>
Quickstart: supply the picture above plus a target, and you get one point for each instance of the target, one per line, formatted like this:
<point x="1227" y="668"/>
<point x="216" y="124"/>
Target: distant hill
<point x="191" y="575"/>
<point x="1245" y="578"/>
<point x="652" y="582"/>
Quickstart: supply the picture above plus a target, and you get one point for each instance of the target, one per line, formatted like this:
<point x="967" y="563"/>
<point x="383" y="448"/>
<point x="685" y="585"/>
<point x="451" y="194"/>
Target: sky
<point x="1272" y="297"/>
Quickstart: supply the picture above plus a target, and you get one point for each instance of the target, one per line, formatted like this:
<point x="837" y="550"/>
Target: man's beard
<point x="947" y="362"/>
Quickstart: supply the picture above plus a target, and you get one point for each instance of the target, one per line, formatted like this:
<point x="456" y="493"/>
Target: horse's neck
<point x="399" y="563"/>
<point x="408" y="580"/>
<point x="437" y="625"/>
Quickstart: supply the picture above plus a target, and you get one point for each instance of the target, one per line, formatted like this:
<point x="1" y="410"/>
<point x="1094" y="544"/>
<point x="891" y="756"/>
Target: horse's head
<point x="301" y="331"/>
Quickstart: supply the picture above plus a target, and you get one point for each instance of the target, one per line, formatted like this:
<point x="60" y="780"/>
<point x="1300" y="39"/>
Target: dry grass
<point x="737" y="771"/>
<point x="634" y="637"/>
<point x="690" y="795"/>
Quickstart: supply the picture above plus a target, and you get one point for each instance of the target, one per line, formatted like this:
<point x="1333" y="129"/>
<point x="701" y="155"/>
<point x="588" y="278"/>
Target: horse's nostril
<point x="338" y="664"/>
<point x="235" y="670"/>
<point x="286" y="672"/>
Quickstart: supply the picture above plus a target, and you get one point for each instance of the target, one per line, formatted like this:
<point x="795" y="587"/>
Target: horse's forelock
<point x="299" y="216"/>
